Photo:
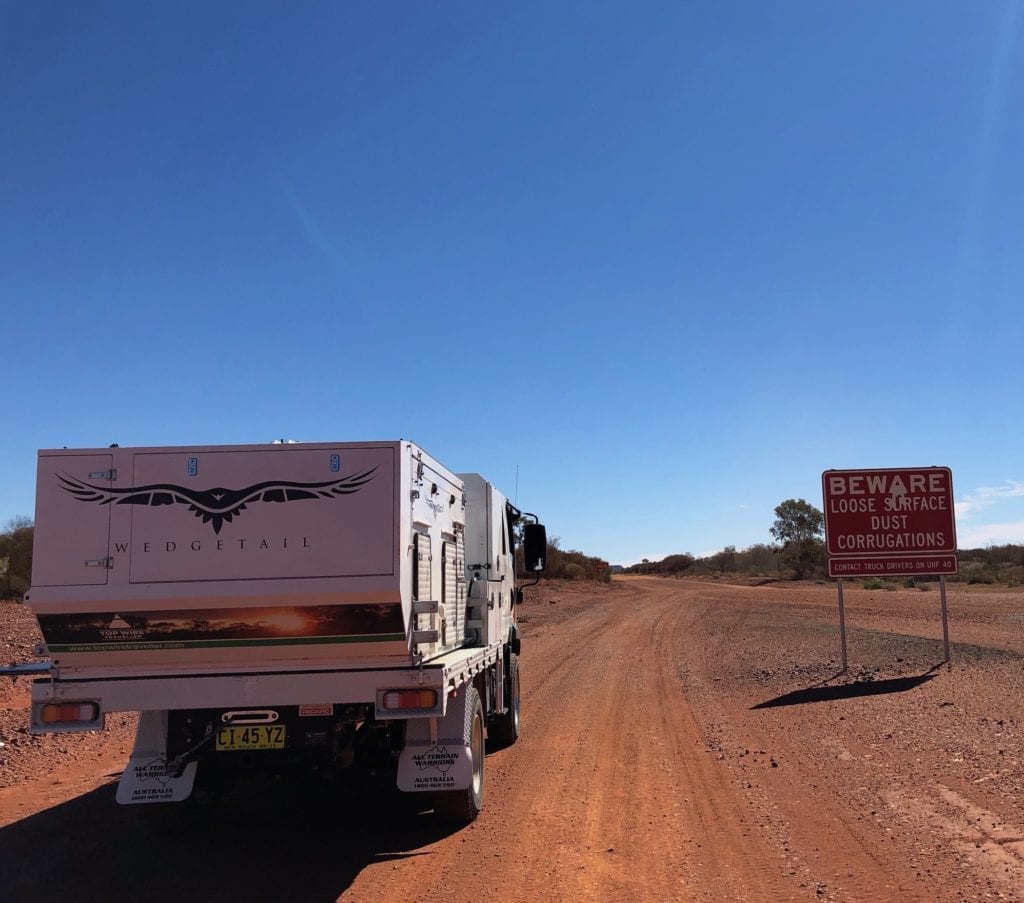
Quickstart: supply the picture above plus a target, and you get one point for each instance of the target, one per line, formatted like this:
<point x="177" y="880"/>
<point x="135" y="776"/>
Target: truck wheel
<point x="504" y="729"/>
<point x="465" y="805"/>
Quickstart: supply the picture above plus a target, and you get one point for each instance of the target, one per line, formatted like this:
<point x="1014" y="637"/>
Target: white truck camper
<point x="323" y="606"/>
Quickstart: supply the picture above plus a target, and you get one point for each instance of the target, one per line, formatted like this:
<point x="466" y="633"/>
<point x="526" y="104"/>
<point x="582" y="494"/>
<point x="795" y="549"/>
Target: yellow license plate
<point x="250" y="736"/>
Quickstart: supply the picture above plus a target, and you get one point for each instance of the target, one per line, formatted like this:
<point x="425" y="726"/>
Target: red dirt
<point x="683" y="740"/>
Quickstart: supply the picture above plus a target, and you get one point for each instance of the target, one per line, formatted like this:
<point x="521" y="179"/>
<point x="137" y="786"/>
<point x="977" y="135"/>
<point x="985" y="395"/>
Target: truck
<point x="288" y="606"/>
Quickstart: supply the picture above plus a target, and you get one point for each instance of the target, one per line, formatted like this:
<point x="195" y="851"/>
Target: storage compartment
<point x="228" y="558"/>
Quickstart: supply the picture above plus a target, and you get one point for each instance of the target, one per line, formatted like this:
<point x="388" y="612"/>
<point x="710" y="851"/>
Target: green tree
<point x="799" y="527"/>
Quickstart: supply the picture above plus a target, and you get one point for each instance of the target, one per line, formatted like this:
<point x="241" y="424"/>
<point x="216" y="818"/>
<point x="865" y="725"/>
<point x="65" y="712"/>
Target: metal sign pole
<point x="945" y="621"/>
<point x="842" y="620"/>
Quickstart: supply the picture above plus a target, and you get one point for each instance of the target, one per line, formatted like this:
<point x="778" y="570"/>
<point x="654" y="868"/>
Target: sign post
<point x="945" y="620"/>
<point x="888" y="523"/>
<point x="842" y="623"/>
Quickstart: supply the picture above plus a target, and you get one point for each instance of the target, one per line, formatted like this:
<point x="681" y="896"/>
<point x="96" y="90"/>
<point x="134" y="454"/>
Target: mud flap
<point x="446" y="764"/>
<point x="145" y="778"/>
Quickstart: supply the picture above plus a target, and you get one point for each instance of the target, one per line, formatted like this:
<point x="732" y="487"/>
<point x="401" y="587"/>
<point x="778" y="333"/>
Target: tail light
<point x="410" y="699"/>
<point x="56" y="716"/>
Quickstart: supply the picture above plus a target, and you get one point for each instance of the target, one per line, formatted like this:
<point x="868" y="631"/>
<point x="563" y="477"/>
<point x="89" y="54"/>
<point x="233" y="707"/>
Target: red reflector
<point x="410" y="699"/>
<point x="68" y="712"/>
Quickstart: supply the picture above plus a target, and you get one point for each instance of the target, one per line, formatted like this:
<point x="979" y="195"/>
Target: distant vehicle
<point x="275" y="607"/>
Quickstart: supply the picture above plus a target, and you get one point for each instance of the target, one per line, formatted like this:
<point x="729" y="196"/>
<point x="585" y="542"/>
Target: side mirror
<point x="535" y="547"/>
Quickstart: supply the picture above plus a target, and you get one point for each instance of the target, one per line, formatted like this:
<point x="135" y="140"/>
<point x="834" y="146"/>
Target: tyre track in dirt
<point x="610" y="794"/>
<point x="733" y="861"/>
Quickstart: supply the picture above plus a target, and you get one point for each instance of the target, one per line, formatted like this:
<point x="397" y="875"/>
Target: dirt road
<point x="683" y="740"/>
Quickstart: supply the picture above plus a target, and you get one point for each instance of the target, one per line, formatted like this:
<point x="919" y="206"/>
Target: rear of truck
<point x="304" y="605"/>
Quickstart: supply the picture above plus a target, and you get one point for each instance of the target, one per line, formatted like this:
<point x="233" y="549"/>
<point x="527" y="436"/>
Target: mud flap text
<point x="443" y="766"/>
<point x="145" y="780"/>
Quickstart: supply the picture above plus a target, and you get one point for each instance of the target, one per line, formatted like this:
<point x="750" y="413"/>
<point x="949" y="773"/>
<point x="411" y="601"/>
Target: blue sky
<point x="666" y="261"/>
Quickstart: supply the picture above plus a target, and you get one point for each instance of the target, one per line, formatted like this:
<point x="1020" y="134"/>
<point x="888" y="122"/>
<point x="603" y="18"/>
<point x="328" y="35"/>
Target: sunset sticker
<point x="224" y="626"/>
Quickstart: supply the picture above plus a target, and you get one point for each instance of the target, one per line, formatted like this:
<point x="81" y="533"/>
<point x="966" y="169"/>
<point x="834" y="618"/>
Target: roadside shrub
<point x="759" y="560"/>
<point x="673" y="564"/>
<point x="874" y="583"/>
<point x="571" y="570"/>
<point x="16" y="587"/>
<point x="1013" y="575"/>
<point x="570" y="565"/>
<point x="976" y="572"/>
<point x="724" y="561"/>
<point x="996" y="564"/>
<point x="16" y="558"/>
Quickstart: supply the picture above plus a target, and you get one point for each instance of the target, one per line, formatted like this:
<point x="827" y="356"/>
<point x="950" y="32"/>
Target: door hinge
<point x="425" y="607"/>
<point x="104" y="474"/>
<point x="107" y="563"/>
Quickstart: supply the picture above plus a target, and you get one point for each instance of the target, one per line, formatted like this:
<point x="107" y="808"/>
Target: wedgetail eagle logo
<point x="215" y="506"/>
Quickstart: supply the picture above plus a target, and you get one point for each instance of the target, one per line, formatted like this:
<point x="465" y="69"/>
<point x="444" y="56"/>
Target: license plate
<point x="250" y="736"/>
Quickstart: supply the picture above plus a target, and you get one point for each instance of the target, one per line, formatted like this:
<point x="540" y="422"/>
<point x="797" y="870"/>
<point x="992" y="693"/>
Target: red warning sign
<point x="903" y="516"/>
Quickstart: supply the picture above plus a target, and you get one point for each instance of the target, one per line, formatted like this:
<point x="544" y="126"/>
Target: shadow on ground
<point x="275" y="846"/>
<point x="821" y="693"/>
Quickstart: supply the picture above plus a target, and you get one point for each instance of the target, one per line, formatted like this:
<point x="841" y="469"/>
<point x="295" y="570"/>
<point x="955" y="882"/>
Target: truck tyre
<point x="464" y="805"/>
<point x="504" y="729"/>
